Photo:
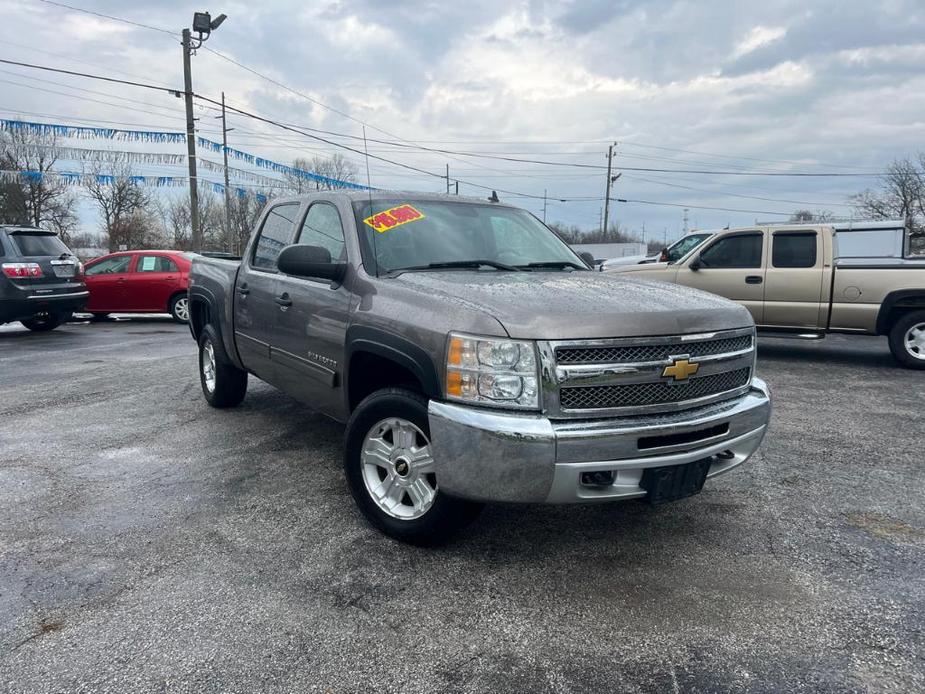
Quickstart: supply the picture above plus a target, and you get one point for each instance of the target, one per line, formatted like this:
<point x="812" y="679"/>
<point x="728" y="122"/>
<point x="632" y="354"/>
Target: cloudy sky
<point x="777" y="85"/>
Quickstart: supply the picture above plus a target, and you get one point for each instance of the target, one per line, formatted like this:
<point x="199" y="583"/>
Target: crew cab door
<point x="311" y="324"/>
<point x="733" y="266"/>
<point x="795" y="280"/>
<point x="256" y="290"/>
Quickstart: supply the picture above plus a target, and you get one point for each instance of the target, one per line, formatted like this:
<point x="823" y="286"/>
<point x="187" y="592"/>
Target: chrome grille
<point x="653" y="393"/>
<point x="615" y="354"/>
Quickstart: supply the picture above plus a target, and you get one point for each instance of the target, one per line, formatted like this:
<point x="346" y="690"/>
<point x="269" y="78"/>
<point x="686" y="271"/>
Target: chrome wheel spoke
<point x="914" y="341"/>
<point x="378" y="451"/>
<point x="421" y="494"/>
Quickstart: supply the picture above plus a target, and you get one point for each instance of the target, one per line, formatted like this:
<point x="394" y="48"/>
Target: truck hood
<point x="580" y="305"/>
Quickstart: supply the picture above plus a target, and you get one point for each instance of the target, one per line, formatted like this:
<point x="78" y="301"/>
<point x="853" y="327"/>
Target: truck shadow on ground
<point x="875" y="354"/>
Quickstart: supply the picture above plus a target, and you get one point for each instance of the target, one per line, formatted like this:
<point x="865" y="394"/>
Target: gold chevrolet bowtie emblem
<point x="681" y="370"/>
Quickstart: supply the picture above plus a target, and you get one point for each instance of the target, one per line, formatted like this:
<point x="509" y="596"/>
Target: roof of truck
<point x="360" y="195"/>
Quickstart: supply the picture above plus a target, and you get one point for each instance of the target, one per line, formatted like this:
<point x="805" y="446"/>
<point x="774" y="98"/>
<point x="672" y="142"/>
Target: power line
<point x="109" y="16"/>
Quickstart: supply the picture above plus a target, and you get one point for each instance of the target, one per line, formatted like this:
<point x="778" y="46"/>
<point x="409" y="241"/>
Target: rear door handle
<point x="753" y="279"/>
<point x="283" y="300"/>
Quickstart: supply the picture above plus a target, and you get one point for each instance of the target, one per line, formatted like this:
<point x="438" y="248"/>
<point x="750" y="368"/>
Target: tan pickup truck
<point x="811" y="279"/>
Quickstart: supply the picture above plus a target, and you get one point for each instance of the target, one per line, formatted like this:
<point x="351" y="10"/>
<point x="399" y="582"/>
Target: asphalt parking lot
<point x="148" y="542"/>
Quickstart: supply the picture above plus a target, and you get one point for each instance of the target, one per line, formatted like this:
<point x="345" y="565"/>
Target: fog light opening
<point x="599" y="478"/>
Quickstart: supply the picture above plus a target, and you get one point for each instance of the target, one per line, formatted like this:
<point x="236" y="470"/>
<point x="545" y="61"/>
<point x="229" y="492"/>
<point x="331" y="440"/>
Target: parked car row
<point x="43" y="283"/>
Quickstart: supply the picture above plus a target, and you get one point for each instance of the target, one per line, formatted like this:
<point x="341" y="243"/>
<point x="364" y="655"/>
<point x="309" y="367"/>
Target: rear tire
<point x="389" y="469"/>
<point x="223" y="384"/>
<point x="179" y="308"/>
<point x="907" y="340"/>
<point x="43" y="322"/>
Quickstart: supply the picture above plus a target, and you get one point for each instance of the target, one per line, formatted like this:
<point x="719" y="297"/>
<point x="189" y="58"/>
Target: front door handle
<point x="243" y="290"/>
<point x="283" y="300"/>
<point x="753" y="279"/>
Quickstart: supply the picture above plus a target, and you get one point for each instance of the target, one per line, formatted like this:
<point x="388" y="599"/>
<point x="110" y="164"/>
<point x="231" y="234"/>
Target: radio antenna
<point x="369" y="190"/>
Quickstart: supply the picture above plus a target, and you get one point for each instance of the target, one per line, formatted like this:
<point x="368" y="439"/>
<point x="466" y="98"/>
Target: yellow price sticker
<point x="395" y="217"/>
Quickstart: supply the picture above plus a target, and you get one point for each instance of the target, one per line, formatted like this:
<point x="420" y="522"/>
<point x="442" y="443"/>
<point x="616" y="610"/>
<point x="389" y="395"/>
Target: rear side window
<point x="794" y="250"/>
<point x="110" y="266"/>
<point x="275" y="235"/>
<point x="740" y="251"/>
<point x="155" y="263"/>
<point x="38" y="244"/>
<point x="322" y="227"/>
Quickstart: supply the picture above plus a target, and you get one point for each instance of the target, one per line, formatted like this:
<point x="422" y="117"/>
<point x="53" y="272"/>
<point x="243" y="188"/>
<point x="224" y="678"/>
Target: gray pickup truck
<point x="475" y="358"/>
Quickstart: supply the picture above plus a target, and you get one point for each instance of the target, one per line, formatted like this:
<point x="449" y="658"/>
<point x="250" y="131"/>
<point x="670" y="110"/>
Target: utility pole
<point x="447" y="179"/>
<point x="457" y="187"/>
<point x="685" y="220"/>
<point x="203" y="25"/>
<point x="544" y="205"/>
<point x="196" y="238"/>
<point x="607" y="193"/>
<point x="227" y="192"/>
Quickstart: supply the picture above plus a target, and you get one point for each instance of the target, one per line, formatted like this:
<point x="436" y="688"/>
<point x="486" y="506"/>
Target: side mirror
<point x="310" y="261"/>
<point x="695" y="264"/>
<point x="588" y="258"/>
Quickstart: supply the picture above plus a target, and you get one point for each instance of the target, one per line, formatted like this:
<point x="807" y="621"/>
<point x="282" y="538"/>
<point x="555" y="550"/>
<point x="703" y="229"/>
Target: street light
<point x="203" y="25"/>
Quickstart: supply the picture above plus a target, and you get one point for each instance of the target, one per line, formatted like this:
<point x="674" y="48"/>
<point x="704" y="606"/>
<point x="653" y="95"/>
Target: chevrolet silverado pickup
<point x="475" y="358"/>
<point x="811" y="279"/>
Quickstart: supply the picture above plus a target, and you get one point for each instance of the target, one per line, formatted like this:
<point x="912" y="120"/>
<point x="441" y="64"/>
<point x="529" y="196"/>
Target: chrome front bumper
<point x="492" y="456"/>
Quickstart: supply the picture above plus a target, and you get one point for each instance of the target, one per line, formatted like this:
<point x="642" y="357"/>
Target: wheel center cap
<point x="402" y="467"/>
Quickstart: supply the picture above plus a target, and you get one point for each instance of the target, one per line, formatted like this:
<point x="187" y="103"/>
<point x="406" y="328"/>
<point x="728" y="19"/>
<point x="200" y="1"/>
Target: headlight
<point x="491" y="371"/>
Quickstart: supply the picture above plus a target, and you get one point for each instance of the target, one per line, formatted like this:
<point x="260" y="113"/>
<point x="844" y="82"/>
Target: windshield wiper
<point x="561" y="264"/>
<point x="463" y="264"/>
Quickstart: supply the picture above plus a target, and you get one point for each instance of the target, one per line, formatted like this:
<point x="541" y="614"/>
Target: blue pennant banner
<point x="86" y="133"/>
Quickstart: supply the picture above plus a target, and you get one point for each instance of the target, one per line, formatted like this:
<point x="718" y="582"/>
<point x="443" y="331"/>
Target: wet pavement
<point x="150" y="543"/>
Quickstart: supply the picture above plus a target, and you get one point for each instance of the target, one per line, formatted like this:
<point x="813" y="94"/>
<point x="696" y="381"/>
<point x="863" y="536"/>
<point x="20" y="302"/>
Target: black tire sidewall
<point x="897" y="340"/>
<point x="43" y="324"/>
<point x="445" y="517"/>
<point x="230" y="381"/>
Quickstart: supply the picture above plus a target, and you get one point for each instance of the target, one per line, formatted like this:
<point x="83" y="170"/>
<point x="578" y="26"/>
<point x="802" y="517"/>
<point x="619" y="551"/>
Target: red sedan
<point x="139" y="282"/>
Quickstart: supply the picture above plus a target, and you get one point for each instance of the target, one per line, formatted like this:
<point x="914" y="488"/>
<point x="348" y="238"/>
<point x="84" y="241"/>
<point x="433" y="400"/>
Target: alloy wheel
<point x="398" y="468"/>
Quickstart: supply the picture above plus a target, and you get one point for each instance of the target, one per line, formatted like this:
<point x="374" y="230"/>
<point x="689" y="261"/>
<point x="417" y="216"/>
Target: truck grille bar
<point x="641" y="394"/>
<point x="641" y="353"/>
<point x="627" y="376"/>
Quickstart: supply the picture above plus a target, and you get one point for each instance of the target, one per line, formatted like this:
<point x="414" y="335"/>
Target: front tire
<point x="223" y="384"/>
<point x="43" y="322"/>
<point x="179" y="308"/>
<point x="390" y="471"/>
<point x="907" y="340"/>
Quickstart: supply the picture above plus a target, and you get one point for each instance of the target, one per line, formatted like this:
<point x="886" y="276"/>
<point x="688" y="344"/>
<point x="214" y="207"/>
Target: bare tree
<point x="335" y="167"/>
<point x="244" y="212"/>
<point x="175" y="220"/>
<point x="811" y="216"/>
<point x="123" y="204"/>
<point x="37" y="198"/>
<point x="901" y="195"/>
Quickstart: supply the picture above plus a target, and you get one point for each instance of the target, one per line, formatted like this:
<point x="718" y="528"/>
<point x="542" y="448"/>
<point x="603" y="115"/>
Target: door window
<point x="794" y="250"/>
<point x="110" y="266"/>
<point x="322" y="227"/>
<point x="275" y="235"/>
<point x="740" y="251"/>
<point x="155" y="263"/>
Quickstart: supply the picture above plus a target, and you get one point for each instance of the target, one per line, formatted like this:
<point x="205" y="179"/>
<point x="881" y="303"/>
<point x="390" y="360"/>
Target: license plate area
<point x="674" y="482"/>
<point x="64" y="269"/>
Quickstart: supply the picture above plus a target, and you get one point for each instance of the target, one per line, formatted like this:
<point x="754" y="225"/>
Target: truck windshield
<point x="407" y="234"/>
<point x="681" y="248"/>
